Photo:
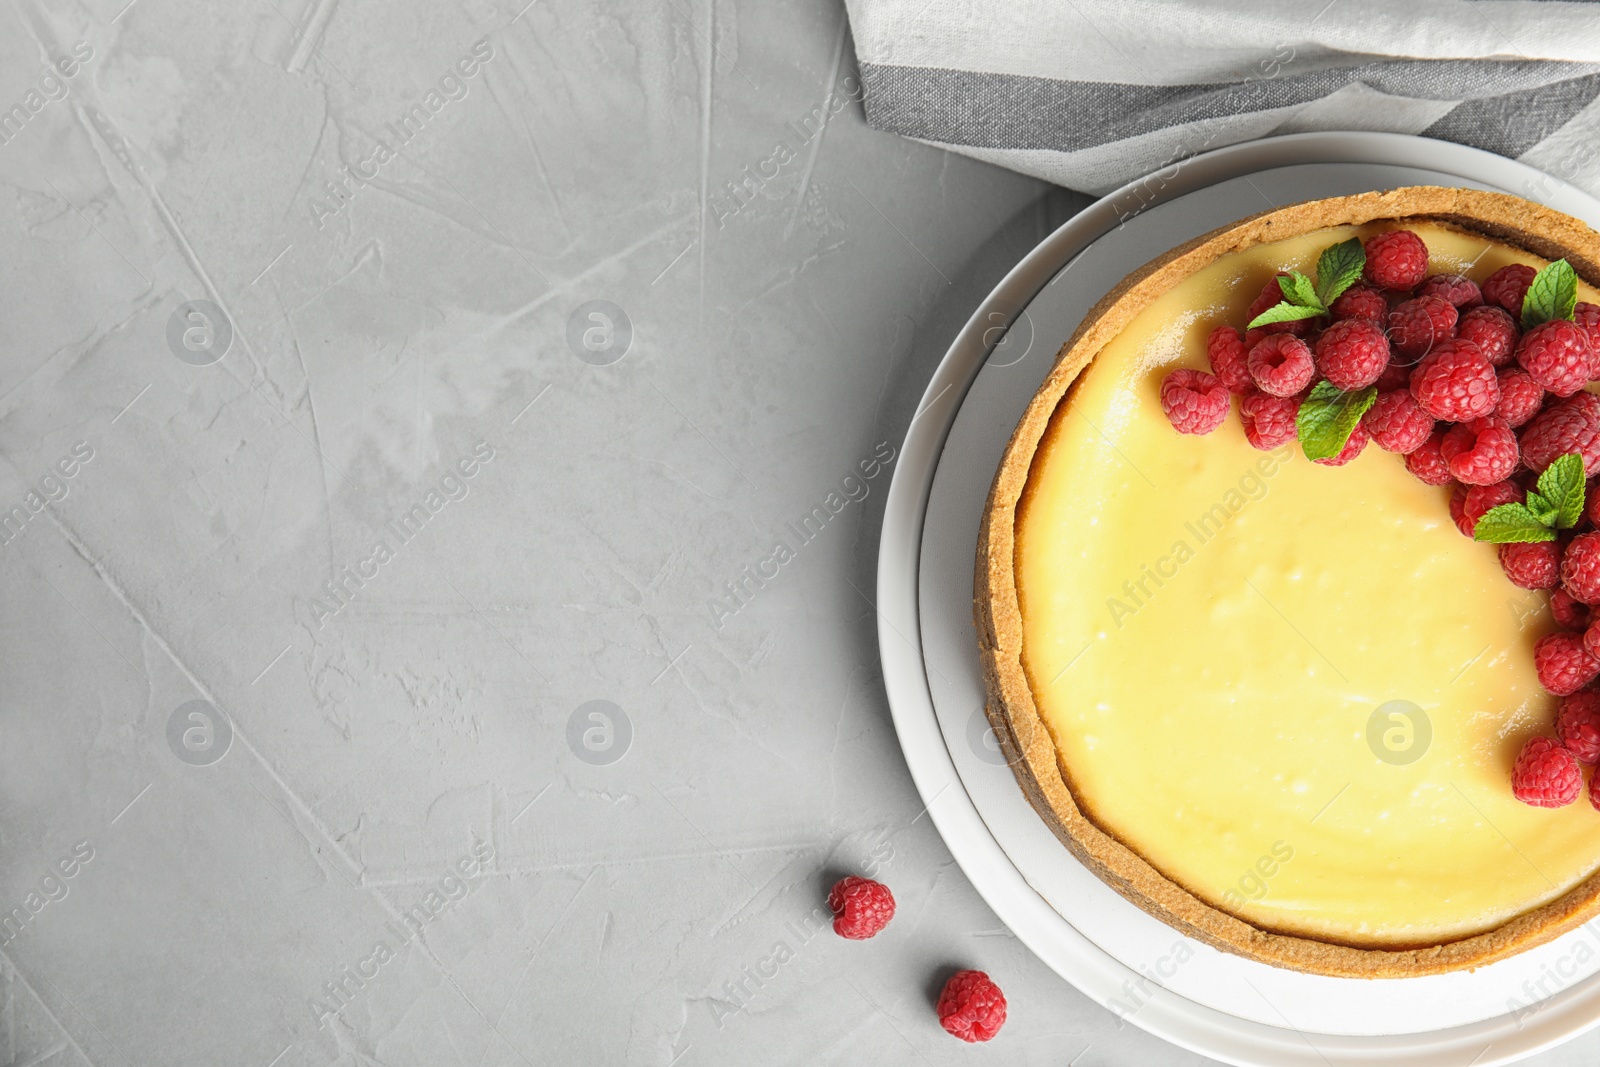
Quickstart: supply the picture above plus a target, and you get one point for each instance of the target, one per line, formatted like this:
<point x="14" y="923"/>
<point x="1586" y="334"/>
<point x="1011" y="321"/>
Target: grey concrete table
<point x="443" y="452"/>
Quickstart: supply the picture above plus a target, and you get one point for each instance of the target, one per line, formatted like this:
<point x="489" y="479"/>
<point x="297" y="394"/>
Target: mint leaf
<point x="1511" y="523"/>
<point x="1285" y="312"/>
<point x="1562" y="484"/>
<point x="1328" y="417"/>
<point x="1541" y="509"/>
<point x="1297" y="289"/>
<point x="1553" y="295"/>
<point x="1339" y="268"/>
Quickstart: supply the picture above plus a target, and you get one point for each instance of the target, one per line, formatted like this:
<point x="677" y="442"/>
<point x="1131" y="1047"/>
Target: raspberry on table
<point x="1463" y="293"/>
<point x="1569" y="612"/>
<point x="1426" y="462"/>
<point x="1352" y="353"/>
<point x="1415" y="326"/>
<point x="1493" y="331"/>
<point x="1271" y="296"/>
<point x="1520" y="397"/>
<point x="1397" y="259"/>
<point x="1281" y="364"/>
<point x="1557" y="355"/>
<point x="1571" y="425"/>
<point x="1456" y="382"/>
<point x="860" y="906"/>
<point x="1532" y="564"/>
<point x="1578" y="725"/>
<point x="1226" y="350"/>
<point x="1580" y="568"/>
<point x="1564" y="665"/>
<point x="1480" y="452"/>
<point x="1477" y="500"/>
<point x="1396" y="423"/>
<point x="1361" y="302"/>
<point x="1269" y="421"/>
<point x="1546" y="775"/>
<point x="1195" y="402"/>
<point x="1352" y="448"/>
<point x="971" y="1006"/>
<point x="1507" y="286"/>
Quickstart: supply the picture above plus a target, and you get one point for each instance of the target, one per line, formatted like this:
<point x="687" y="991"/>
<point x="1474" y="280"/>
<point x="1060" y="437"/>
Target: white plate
<point x="1214" y="1003"/>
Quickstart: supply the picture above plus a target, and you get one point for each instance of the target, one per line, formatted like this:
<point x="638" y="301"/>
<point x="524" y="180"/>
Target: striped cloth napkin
<point x="1091" y="94"/>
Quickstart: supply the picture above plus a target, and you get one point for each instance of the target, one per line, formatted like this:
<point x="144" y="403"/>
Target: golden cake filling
<point x="1295" y="690"/>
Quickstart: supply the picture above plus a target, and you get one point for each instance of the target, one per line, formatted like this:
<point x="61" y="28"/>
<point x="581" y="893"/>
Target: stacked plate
<point x="1223" y="1006"/>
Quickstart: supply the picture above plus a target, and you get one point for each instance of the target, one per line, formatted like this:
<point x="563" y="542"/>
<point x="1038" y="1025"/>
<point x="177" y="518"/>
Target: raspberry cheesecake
<point x="1284" y="583"/>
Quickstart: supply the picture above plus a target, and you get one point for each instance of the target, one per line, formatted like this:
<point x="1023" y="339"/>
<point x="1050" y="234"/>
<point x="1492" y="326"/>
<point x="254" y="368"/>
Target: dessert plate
<point x="1223" y="1006"/>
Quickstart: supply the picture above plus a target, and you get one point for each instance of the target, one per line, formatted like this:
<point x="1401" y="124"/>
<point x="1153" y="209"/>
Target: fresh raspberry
<point x="1480" y="452"/>
<point x="1415" y="326"/>
<point x="1520" y="397"/>
<point x="1427" y="464"/>
<point x="1588" y="317"/>
<point x="1477" y="500"/>
<point x="1531" y="564"/>
<point x="1395" y="260"/>
<point x="1572" y="425"/>
<point x="1564" y="665"/>
<point x="1352" y="353"/>
<point x="971" y="1006"/>
<point x="1507" y="286"/>
<point x="1225" y="348"/>
<point x="1591" y="645"/>
<point x="1591" y="509"/>
<point x="1556" y="354"/>
<point x="1455" y="382"/>
<point x="1493" y="331"/>
<point x="1361" y="302"/>
<point x="1281" y="364"/>
<point x="860" y="906"/>
<point x="1569" y="612"/>
<point x="1580" y="568"/>
<point x="1395" y="376"/>
<point x="1578" y="725"/>
<point x="1352" y="448"/>
<point x="1458" y="509"/>
<point x="1546" y="775"/>
<point x="1396" y="423"/>
<point x="1271" y="296"/>
<point x="1463" y="293"/>
<point x="1269" y="420"/>
<point x="1194" y="401"/>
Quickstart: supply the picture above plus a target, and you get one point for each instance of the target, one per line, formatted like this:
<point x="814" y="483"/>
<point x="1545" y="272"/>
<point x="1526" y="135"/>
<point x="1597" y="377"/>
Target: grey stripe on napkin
<point x="1093" y="98"/>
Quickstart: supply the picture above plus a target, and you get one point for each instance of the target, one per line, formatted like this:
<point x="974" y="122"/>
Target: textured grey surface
<point x="392" y="831"/>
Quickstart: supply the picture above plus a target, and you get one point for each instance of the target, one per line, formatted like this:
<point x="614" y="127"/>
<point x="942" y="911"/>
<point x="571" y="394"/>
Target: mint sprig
<point x="1337" y="270"/>
<point x="1555" y="503"/>
<point x="1328" y="417"/>
<point x="1511" y="523"/>
<point x="1552" y="295"/>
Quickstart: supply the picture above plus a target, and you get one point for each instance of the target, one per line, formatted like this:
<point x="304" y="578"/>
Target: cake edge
<point x="1009" y="703"/>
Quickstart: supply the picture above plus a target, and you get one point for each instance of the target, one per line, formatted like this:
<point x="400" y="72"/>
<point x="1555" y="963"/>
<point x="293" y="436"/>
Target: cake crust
<point x="1042" y="773"/>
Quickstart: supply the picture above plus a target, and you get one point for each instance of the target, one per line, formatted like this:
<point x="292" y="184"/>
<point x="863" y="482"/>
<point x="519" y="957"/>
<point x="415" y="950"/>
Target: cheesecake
<point x="1279" y="704"/>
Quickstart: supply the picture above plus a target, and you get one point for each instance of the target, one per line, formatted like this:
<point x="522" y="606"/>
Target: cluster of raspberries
<point x="970" y="1005"/>
<point x="1456" y="376"/>
<point x="1471" y="401"/>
